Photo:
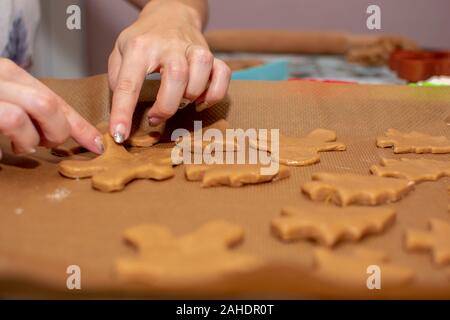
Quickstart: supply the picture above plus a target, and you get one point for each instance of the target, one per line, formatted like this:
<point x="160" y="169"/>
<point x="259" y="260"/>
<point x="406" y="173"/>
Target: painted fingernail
<point x="119" y="133"/>
<point x="201" y="106"/>
<point x="154" y="121"/>
<point x="99" y="144"/>
<point x="25" y="152"/>
<point x="184" y="103"/>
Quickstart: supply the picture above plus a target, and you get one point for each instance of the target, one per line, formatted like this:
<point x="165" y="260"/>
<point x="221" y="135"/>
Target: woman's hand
<point x="31" y="114"/>
<point x="166" y="38"/>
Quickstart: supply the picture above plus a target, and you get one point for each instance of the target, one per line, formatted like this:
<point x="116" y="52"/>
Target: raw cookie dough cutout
<point x="329" y="225"/>
<point x="141" y="135"/>
<point x="437" y="240"/>
<point x="303" y="151"/>
<point x="416" y="170"/>
<point x="213" y="145"/>
<point x="346" y="189"/>
<point x="233" y="175"/>
<point x="201" y="256"/>
<point x="144" y="136"/>
<point x="351" y="270"/>
<point x="413" y="142"/>
<point x="112" y="170"/>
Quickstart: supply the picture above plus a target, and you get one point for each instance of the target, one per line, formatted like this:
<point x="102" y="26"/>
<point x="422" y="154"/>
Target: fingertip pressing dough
<point x="353" y="270"/>
<point x="329" y="225"/>
<point x="437" y="241"/>
<point x="201" y="256"/>
<point x="112" y="170"/>
<point x="413" y="142"/>
<point x="303" y="151"/>
<point x="233" y="175"/>
<point x="416" y="170"/>
<point x="144" y="136"/>
<point x="346" y="189"/>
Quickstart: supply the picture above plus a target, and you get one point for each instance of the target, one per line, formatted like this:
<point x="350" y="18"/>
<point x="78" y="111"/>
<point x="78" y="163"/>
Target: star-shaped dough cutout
<point x="302" y="151"/>
<point x="233" y="175"/>
<point x="416" y="170"/>
<point x="329" y="225"/>
<point x="345" y="189"/>
<point x="198" y="257"/>
<point x="352" y="271"/>
<point x="112" y="170"/>
<point x="413" y="142"/>
<point x="437" y="240"/>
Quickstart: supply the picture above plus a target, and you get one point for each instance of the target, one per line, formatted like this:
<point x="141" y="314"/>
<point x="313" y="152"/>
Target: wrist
<point x="177" y="9"/>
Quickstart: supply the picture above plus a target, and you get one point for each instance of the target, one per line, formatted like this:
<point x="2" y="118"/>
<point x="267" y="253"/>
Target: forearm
<point x="199" y="7"/>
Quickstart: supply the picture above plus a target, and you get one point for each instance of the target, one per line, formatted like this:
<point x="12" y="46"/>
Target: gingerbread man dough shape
<point x="112" y="170"/>
<point x="198" y="141"/>
<point x="345" y="189"/>
<point x="413" y="142"/>
<point x="437" y="240"/>
<point x="329" y="224"/>
<point x="233" y="175"/>
<point x="192" y="259"/>
<point x="302" y="151"/>
<point x="351" y="270"/>
<point x="144" y="136"/>
<point x="416" y="170"/>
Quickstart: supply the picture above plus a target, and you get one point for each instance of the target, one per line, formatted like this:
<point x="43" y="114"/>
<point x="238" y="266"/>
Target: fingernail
<point x="99" y="144"/>
<point x="154" y="121"/>
<point x="184" y="103"/>
<point x="119" y="133"/>
<point x="201" y="106"/>
<point x="24" y="152"/>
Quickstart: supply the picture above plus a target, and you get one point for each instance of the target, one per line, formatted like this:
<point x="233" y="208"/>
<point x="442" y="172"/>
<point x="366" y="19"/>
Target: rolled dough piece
<point x="351" y="270"/>
<point x="413" y="142"/>
<point x="302" y="151"/>
<point x="345" y="189"/>
<point x="329" y="225"/>
<point x="112" y="170"/>
<point x="437" y="240"/>
<point x="416" y="170"/>
<point x="192" y="259"/>
<point x="233" y="175"/>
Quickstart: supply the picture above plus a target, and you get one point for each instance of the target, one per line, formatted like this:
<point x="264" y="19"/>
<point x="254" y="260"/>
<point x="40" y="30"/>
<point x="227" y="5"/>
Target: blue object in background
<point x="277" y="70"/>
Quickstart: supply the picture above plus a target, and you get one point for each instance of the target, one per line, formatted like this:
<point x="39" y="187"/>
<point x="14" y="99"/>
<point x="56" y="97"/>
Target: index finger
<point x="126" y="93"/>
<point x="80" y="129"/>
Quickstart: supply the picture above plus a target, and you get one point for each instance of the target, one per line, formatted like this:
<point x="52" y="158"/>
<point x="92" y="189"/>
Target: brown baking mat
<point x="41" y="235"/>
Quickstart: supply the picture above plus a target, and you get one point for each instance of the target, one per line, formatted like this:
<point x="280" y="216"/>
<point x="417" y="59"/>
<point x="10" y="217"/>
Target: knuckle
<point x="81" y="128"/>
<point x="178" y="71"/>
<point x="12" y="120"/>
<point x="137" y="43"/>
<point x="202" y="55"/>
<point x="126" y="86"/>
<point x="45" y="103"/>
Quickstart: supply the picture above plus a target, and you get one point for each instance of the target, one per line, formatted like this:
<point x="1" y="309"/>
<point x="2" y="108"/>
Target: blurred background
<point x="67" y="54"/>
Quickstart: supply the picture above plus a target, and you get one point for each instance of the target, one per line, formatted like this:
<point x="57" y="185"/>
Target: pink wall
<point x="424" y="20"/>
